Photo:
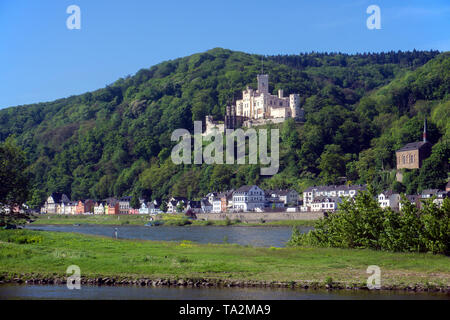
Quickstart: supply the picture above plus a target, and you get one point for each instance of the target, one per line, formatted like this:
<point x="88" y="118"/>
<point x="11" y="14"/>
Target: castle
<point x="260" y="104"/>
<point x="258" y="107"/>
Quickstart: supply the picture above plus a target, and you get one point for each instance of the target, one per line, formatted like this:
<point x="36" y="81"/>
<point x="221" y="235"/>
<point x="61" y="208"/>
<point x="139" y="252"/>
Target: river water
<point x="29" y="292"/>
<point x="254" y="236"/>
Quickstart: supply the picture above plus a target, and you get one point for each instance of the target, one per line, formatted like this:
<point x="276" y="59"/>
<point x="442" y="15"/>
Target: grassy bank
<point x="36" y="254"/>
<point x="169" y="219"/>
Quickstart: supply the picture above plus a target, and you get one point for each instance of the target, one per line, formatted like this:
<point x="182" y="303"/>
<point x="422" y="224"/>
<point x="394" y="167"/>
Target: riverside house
<point x="248" y="198"/>
<point x="53" y="201"/>
<point x="99" y="208"/>
<point x="389" y="199"/>
<point x="320" y="196"/>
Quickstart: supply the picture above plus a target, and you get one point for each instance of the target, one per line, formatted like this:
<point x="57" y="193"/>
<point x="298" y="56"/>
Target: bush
<point x="361" y="223"/>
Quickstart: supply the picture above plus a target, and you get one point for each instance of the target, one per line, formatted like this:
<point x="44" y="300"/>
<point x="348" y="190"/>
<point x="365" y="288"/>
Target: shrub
<point x="361" y="223"/>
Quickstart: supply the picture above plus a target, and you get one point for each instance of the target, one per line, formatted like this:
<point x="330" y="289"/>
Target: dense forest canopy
<point x="359" y="109"/>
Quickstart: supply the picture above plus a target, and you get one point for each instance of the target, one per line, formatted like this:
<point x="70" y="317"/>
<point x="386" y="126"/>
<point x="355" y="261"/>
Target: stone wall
<point x="257" y="216"/>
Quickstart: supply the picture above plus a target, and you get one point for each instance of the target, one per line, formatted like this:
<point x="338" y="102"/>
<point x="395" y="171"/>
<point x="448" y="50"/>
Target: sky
<point x="42" y="60"/>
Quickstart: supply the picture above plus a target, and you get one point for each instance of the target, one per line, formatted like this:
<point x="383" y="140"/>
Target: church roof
<point x="414" y="146"/>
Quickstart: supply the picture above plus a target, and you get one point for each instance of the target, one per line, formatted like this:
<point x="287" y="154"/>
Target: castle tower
<point x="294" y="104"/>
<point x="263" y="83"/>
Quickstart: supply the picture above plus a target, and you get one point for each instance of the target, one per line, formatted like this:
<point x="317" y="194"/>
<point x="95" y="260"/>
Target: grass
<point x="169" y="219"/>
<point x="28" y="253"/>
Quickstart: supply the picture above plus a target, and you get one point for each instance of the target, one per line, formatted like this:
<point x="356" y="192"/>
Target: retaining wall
<point x="257" y="216"/>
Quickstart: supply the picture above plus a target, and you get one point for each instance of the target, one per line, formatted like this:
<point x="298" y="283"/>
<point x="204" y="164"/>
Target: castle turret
<point x="294" y="104"/>
<point x="263" y="83"/>
<point x="280" y="93"/>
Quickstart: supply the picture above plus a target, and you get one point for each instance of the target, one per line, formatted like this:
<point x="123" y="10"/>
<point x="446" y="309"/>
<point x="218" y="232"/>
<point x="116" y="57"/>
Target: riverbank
<point x="42" y="257"/>
<point x="168" y="219"/>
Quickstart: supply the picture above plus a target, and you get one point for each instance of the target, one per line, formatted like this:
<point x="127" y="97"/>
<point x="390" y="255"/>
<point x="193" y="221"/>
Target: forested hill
<point x="359" y="108"/>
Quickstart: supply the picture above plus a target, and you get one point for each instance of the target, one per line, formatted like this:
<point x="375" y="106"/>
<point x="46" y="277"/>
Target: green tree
<point x="14" y="186"/>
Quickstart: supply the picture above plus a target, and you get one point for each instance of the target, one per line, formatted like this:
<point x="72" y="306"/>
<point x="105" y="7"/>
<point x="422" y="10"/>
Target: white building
<point x="311" y="193"/>
<point x="53" y="204"/>
<point x="216" y="204"/>
<point x="389" y="199"/>
<point x="99" y="208"/>
<point x="248" y="198"/>
<point x="325" y="204"/>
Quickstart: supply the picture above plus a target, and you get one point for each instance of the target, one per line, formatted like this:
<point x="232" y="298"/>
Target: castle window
<point x="403" y="159"/>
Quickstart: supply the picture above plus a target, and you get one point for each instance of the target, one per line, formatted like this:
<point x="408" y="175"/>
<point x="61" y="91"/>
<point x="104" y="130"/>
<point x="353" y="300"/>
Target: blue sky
<point x="41" y="60"/>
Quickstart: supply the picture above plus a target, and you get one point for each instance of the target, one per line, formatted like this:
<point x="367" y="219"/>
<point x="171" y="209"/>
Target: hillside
<point x="116" y="140"/>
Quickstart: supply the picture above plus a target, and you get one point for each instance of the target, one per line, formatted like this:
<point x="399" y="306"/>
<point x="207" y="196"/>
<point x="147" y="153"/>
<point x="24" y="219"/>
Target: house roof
<point x="388" y="193"/>
<point x="414" y="146"/>
<point x="59" y="197"/>
<point x="336" y="188"/>
<point x="245" y="188"/>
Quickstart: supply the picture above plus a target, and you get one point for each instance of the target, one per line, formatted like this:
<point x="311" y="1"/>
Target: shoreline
<point x="42" y="257"/>
<point x="219" y="283"/>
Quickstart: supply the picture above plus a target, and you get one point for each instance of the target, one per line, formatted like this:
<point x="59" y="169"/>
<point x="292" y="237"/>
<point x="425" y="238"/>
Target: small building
<point x="113" y="206"/>
<point x="389" y="199"/>
<point x="175" y="202"/>
<point x="124" y="205"/>
<point x="411" y="155"/>
<point x="325" y="204"/>
<point x="99" y="208"/>
<point x="206" y="205"/>
<point x="413" y="199"/>
<point x="53" y="202"/>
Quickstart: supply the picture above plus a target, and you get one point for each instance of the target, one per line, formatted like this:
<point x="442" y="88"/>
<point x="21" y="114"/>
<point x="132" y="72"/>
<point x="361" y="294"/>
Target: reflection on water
<point x="182" y="293"/>
<point x="254" y="236"/>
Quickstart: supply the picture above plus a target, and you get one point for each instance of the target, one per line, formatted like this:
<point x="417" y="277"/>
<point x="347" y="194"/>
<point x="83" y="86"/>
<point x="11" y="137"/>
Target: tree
<point x="163" y="206"/>
<point x="135" y="203"/>
<point x="14" y="186"/>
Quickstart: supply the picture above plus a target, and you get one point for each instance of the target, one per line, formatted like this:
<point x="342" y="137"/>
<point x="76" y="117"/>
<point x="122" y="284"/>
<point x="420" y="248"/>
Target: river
<point x="254" y="236"/>
<point x="60" y="292"/>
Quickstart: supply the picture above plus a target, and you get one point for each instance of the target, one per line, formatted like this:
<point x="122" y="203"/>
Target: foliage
<point x="361" y="223"/>
<point x="14" y="185"/>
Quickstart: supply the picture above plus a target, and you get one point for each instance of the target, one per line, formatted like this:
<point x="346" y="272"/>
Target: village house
<point x="85" y="207"/>
<point x="195" y="206"/>
<point x="226" y="200"/>
<point x="288" y="197"/>
<point x="248" y="198"/>
<point x="113" y="206"/>
<point x="325" y="203"/>
<point x="217" y="204"/>
<point x="53" y="201"/>
<point x="389" y="199"/>
<point x="439" y="195"/>
<point x="311" y="193"/>
<point x="206" y="205"/>
<point x="124" y="205"/>
<point x="99" y="208"/>
<point x="175" y="202"/>
<point x="144" y="208"/>
<point x="413" y="199"/>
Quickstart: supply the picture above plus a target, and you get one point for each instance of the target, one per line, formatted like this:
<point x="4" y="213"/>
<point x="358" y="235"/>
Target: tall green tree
<point x="14" y="186"/>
